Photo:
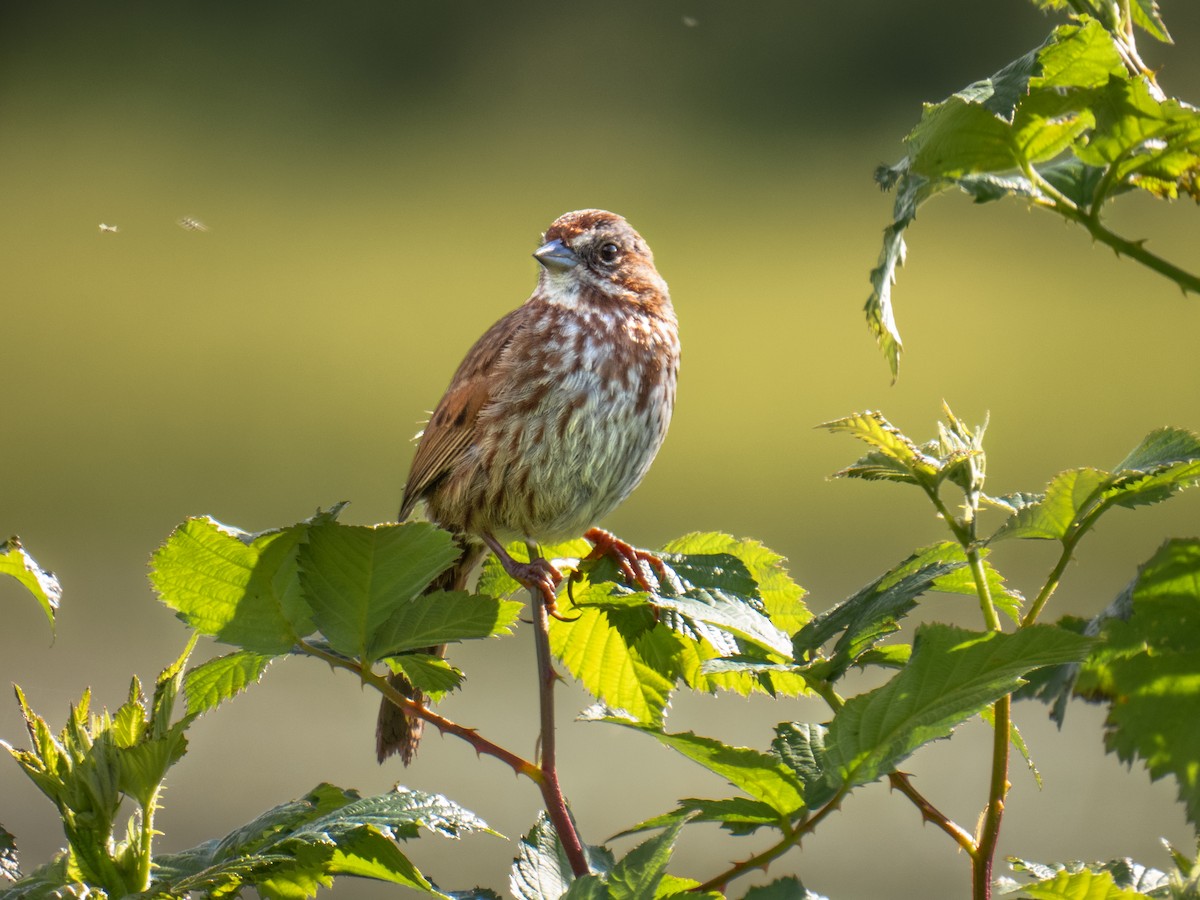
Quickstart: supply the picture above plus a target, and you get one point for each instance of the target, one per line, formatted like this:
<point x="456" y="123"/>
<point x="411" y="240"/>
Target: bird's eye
<point x="609" y="253"/>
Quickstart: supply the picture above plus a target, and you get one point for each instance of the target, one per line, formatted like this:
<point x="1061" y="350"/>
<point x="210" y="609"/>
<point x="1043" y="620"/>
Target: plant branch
<point x="1051" y="584"/>
<point x="989" y="832"/>
<point x="930" y="813"/>
<point x="1136" y="250"/>
<point x="481" y="744"/>
<point x="556" y="803"/>
<point x="791" y="837"/>
<point x="1090" y="220"/>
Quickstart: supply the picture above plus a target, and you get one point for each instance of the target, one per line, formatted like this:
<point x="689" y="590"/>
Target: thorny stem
<point x="1090" y="220"/>
<point x="481" y="744"/>
<point x="791" y="837"/>
<point x="983" y="849"/>
<point x="556" y="803"/>
<point x="900" y="781"/>
<point x="1050" y="586"/>
<point x="989" y="832"/>
<point x="930" y="813"/>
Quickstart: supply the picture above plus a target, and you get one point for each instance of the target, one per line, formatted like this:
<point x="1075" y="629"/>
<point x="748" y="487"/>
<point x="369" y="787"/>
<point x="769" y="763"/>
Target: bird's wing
<point x="451" y="428"/>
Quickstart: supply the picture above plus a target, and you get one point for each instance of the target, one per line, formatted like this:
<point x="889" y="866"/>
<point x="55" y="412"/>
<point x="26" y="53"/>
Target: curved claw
<point x="627" y="558"/>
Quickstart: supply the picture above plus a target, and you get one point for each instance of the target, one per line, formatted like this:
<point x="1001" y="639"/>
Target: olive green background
<point x="374" y="176"/>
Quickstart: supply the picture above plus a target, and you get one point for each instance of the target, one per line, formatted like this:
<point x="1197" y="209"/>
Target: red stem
<point x="556" y="803"/>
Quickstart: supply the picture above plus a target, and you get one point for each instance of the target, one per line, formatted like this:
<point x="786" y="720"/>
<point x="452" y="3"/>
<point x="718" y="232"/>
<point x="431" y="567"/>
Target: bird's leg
<point x="627" y="557"/>
<point x="536" y="575"/>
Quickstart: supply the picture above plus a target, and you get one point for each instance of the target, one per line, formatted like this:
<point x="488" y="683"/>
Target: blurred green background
<point x="373" y="176"/>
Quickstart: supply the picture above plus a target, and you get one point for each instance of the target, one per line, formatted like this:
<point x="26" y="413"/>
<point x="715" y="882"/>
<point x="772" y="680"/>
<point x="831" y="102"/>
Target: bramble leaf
<point x="293" y="848"/>
<point x="209" y="684"/>
<point x="788" y="888"/>
<point x="1146" y="667"/>
<point x="238" y="587"/>
<point x="738" y="815"/>
<point x="761" y="775"/>
<point x="1066" y="127"/>
<point x="44" y="586"/>
<point x="1166" y="462"/>
<point x="358" y="579"/>
<point x="871" y="613"/>
<point x="952" y="676"/>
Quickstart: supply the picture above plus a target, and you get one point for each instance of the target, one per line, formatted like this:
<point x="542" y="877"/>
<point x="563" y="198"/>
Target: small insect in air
<point x="187" y="223"/>
<point x="108" y="229"/>
<point x="690" y="21"/>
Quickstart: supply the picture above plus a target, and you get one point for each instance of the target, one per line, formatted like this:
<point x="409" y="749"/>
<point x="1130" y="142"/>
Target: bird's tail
<point x="396" y="732"/>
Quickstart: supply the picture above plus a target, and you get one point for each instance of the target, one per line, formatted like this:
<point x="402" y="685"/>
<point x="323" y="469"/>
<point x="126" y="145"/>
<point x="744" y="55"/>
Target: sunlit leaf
<point x="10" y="868"/>
<point x="611" y="667"/>
<point x="761" y="775"/>
<point x="1147" y="666"/>
<point x="294" y="848"/>
<point x="211" y="683"/>
<point x="441" y="617"/>
<point x="894" y="456"/>
<point x="871" y="613"/>
<point x="541" y="868"/>
<point x="429" y="674"/>
<point x="801" y="747"/>
<point x="240" y="588"/>
<point x="953" y="675"/>
<point x="637" y="875"/>
<point x="739" y="815"/>
<point x="41" y="584"/>
<point x="788" y="888"/>
<point x="1084" y="885"/>
<point x="357" y="578"/>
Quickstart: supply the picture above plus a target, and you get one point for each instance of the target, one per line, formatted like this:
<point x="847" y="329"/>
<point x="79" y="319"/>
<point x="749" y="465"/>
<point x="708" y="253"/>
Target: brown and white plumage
<point x="554" y="415"/>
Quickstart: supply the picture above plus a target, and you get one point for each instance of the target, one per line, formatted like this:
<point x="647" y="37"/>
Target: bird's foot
<point x="538" y="575"/>
<point x="635" y="565"/>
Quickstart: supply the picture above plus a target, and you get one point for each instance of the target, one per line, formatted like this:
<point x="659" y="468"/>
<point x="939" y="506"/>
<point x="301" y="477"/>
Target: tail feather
<point x="395" y="732"/>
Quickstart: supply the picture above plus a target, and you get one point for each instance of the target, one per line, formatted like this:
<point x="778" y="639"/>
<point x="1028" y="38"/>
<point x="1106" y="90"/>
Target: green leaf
<point x="1078" y="56"/>
<point x="952" y="676"/>
<point x="238" y="587"/>
<point x="801" y="747"/>
<point x="429" y="674"/>
<point x="1165" y="462"/>
<point x="1146" y="667"/>
<point x="357" y="578"/>
<point x="1068" y="495"/>
<point x="782" y="598"/>
<point x="739" y="815"/>
<point x="957" y="137"/>
<point x="911" y="191"/>
<point x="144" y="766"/>
<point x="43" y="585"/>
<point x="1082" y="885"/>
<point x="871" y="613"/>
<point x="962" y="581"/>
<point x="894" y="456"/>
<point x="1125" y="874"/>
<point x="294" y="848"/>
<point x="541" y="868"/>
<point x="1146" y="16"/>
<point x="10" y="867"/>
<point x="727" y="612"/>
<point x="638" y="874"/>
<point x="210" y="684"/>
<point x="611" y="668"/>
<point x="761" y="775"/>
<point x="442" y="617"/>
<point x="788" y="888"/>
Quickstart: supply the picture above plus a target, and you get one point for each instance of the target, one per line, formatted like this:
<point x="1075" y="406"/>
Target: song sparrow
<point x="553" y="417"/>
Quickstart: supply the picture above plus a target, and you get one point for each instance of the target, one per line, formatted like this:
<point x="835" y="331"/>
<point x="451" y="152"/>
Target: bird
<point x="551" y="420"/>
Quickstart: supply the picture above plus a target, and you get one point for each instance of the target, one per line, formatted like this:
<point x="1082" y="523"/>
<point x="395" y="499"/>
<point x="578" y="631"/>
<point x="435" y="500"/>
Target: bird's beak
<point x="556" y="256"/>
